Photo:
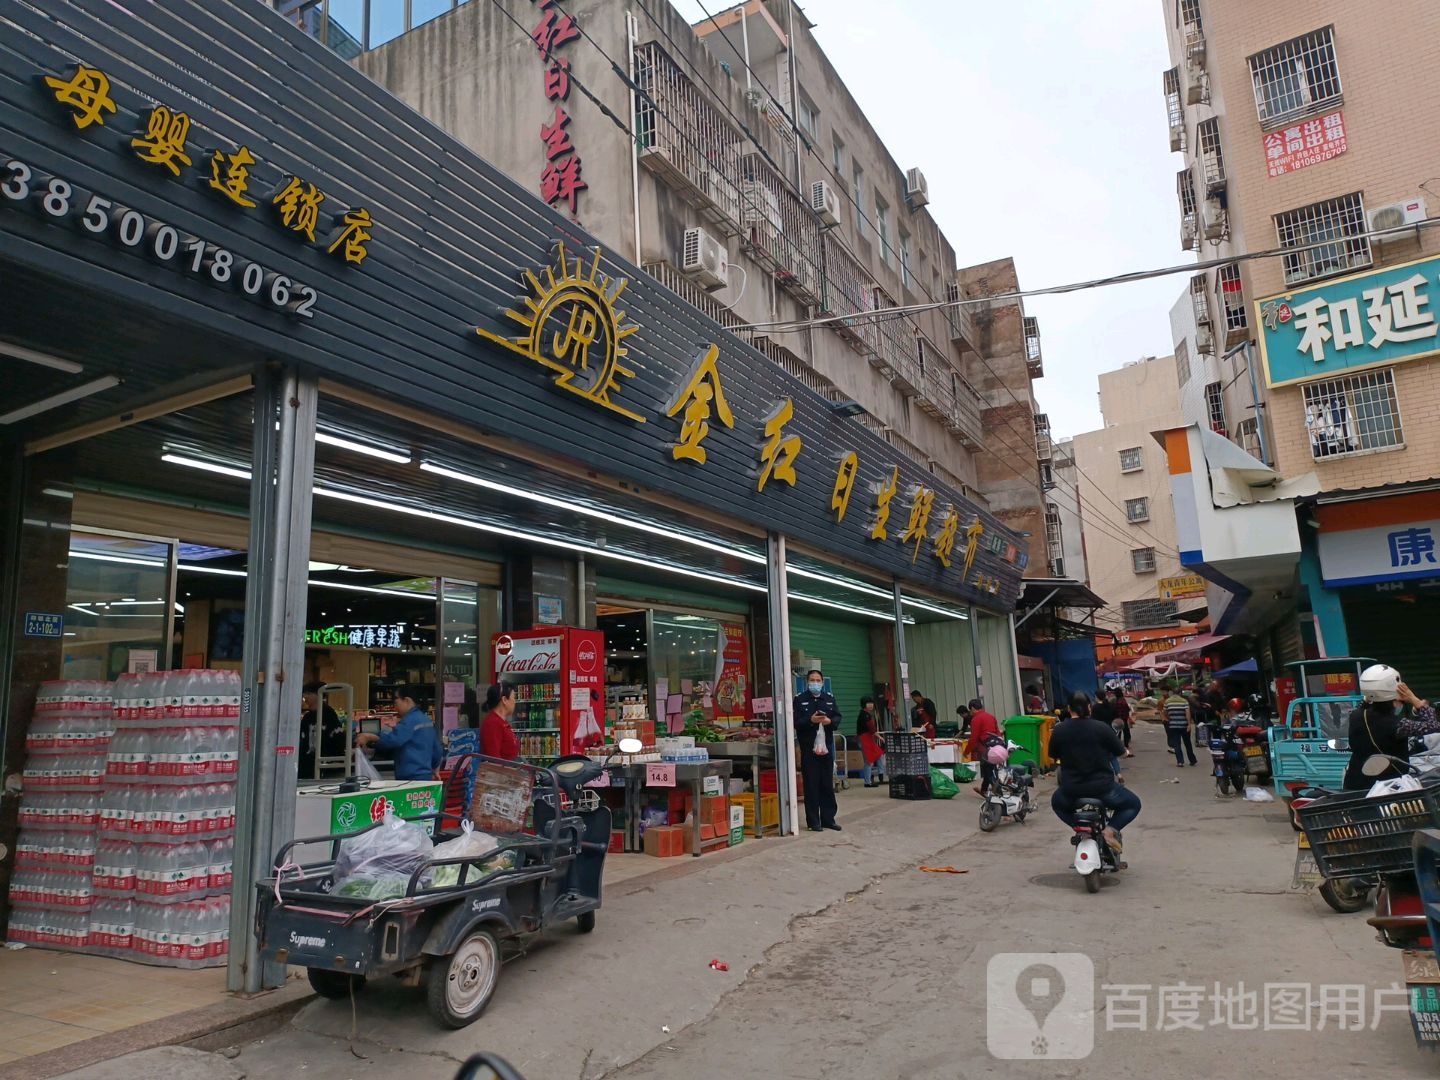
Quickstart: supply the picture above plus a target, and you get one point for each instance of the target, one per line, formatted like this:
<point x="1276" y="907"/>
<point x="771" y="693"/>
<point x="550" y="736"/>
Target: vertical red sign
<point x="560" y="180"/>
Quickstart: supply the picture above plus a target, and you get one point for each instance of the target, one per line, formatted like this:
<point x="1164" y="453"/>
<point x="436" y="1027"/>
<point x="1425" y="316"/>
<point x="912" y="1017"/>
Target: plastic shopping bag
<point x="378" y="863"/>
<point x="941" y="786"/>
<point x="820" y="748"/>
<point x="363" y="768"/>
<point x="1258" y="794"/>
<point x="470" y="844"/>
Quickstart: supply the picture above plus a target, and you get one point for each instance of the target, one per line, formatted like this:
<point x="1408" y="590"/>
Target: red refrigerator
<point x="559" y="678"/>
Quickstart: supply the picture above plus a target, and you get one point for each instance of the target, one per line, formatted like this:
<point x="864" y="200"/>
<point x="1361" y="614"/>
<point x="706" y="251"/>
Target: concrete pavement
<point x="844" y="956"/>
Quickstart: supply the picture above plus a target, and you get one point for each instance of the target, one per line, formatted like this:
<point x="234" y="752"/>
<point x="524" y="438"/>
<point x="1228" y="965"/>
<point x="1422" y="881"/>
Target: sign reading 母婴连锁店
<point x="1346" y="324"/>
<point x="1306" y="143"/>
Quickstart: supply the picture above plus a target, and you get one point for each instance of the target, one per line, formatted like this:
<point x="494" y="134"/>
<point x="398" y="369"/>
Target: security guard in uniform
<point x="817" y="711"/>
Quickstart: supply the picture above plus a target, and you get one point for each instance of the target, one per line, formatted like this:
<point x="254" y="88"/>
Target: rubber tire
<point x="990" y="816"/>
<point x="1223" y="783"/>
<point x="1346" y="901"/>
<point x="1092" y="881"/>
<point x="1019" y="816"/>
<point x="335" y="985"/>
<point x="437" y="990"/>
<point x="585" y="921"/>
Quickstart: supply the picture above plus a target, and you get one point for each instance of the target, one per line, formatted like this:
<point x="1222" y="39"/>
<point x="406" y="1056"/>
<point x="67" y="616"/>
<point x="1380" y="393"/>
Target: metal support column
<point x="281" y="494"/>
<point x="975" y="653"/>
<point x="777" y="595"/>
<point x="902" y="658"/>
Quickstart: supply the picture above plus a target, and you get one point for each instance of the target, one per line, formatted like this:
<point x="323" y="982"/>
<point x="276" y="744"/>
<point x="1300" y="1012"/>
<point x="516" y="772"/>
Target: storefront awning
<point x="1194" y="647"/>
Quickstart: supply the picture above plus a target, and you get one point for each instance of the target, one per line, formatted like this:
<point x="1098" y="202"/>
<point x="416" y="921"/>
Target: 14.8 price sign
<point x="60" y="202"/>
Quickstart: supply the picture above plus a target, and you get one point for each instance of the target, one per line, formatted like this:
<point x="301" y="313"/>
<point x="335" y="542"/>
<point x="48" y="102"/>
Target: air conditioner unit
<point x="1217" y="224"/>
<point x="1187" y="232"/>
<point x="1197" y="85"/>
<point x="825" y="202"/>
<point x="1204" y="341"/>
<point x="1395" y="216"/>
<point x="702" y="257"/>
<point x="916" y="189"/>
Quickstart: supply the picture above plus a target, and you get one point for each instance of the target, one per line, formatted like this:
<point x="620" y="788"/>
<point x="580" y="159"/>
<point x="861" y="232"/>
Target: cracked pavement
<point x="843" y="955"/>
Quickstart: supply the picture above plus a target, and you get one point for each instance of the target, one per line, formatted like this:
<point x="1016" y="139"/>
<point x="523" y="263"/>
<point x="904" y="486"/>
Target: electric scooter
<point x="1009" y="794"/>
<point x="1093" y="854"/>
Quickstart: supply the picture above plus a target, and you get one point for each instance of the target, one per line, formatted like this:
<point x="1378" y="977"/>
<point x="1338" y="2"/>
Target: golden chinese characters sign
<point x="1181" y="587"/>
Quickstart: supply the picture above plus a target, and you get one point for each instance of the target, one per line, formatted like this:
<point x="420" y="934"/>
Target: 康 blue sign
<point x="44" y="625"/>
<point x="1361" y="321"/>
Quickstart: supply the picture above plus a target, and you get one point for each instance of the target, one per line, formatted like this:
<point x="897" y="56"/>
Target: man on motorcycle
<point x="1086" y="749"/>
<point x="1377" y="727"/>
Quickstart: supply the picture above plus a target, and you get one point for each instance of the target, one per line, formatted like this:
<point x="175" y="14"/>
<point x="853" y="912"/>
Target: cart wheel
<point x="461" y="985"/>
<point x="585" y="921"/>
<point x="1346" y="895"/>
<point x="989" y="817"/>
<point x="335" y="985"/>
<point x="1092" y="881"/>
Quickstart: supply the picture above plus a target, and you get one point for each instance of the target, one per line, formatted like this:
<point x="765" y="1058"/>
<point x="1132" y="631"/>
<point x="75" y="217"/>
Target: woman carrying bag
<point x="872" y="746"/>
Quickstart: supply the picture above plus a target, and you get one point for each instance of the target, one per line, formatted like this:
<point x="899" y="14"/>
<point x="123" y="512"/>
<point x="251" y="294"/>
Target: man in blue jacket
<point x="413" y="740"/>
<point x="817" y="712"/>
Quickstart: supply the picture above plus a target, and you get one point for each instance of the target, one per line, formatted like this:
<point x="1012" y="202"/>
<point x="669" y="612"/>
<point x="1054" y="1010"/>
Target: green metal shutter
<point x="844" y="651"/>
<point x="1397" y="629"/>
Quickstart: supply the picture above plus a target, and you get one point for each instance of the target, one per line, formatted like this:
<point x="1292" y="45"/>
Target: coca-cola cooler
<point x="559" y="678"/>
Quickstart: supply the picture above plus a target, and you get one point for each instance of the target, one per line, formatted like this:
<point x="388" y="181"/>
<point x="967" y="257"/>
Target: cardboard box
<point x="737" y="836"/>
<point x="715" y="809"/>
<point x="707" y="831"/>
<point x="664" y="841"/>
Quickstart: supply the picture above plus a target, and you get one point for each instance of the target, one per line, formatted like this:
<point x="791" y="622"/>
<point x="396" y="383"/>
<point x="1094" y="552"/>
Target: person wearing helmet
<point x="1377" y="726"/>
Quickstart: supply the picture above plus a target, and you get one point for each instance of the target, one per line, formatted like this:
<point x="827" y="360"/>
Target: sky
<point x="1041" y="130"/>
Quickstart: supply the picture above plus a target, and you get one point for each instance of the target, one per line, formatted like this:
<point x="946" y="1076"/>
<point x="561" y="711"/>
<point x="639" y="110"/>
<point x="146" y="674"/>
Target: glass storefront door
<point x="119" y="605"/>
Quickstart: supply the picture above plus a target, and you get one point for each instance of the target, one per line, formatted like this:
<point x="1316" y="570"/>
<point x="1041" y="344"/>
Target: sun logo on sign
<point x="572" y="325"/>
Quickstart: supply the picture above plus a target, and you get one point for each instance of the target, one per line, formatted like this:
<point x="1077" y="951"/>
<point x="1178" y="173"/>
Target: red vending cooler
<point x="559" y="678"/>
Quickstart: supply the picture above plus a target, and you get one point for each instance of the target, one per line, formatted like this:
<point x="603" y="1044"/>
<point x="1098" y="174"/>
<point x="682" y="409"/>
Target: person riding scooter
<point x="1086" y="749"/>
<point x="1377" y="727"/>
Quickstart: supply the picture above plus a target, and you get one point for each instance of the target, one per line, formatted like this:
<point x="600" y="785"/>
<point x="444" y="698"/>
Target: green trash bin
<point x="1028" y="733"/>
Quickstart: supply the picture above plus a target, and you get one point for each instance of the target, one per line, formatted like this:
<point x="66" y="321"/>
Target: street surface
<point x="845" y="957"/>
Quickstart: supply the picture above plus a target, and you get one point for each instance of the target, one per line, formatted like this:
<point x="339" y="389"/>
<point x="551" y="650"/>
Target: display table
<point x="320" y="810"/>
<point x="759" y="753"/>
<point x="637" y="779"/>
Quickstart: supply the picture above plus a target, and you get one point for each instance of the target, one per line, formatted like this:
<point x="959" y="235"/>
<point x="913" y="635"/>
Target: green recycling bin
<point x="1032" y="735"/>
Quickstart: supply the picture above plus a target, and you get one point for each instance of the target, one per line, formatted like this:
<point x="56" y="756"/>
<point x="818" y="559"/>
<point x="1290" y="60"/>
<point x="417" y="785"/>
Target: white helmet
<point x="1378" y="682"/>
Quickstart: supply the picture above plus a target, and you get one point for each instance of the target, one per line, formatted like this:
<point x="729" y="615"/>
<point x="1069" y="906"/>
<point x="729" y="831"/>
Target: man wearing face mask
<point x="816" y="714"/>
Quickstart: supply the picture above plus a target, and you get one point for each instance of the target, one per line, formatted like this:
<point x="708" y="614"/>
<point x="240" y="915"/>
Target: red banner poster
<point x="732" y="698"/>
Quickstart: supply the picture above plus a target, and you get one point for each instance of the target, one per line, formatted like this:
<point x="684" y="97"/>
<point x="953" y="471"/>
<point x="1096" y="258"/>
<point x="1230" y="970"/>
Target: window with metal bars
<point x="1296" y="78"/>
<point x="1137" y="510"/>
<point x="1331" y="234"/>
<point x="1354" y="414"/>
<point x="1131" y="460"/>
<point x="1211" y="156"/>
<point x="1185" y="189"/>
<point x="1142" y="560"/>
<point x="1175" y="109"/>
<point x="1232" y="297"/>
<point x="1215" y="406"/>
<point x="1247" y="434"/>
<point x="1200" y="299"/>
<point x="1182" y="362"/>
<point x="1187" y="14"/>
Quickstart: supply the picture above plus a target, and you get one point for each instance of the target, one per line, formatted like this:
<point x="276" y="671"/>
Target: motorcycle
<point x="1227" y="761"/>
<point x="1093" y="854"/>
<point x="1009" y="793"/>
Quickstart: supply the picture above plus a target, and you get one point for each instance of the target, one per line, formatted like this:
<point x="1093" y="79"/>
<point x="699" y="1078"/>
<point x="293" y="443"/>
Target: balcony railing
<point x="846" y="290"/>
<point x="899" y="355"/>
<point x="781" y="231"/>
<point x="962" y="330"/>
<point x="686" y="141"/>
<point x="965" y="420"/>
<point x="1044" y="448"/>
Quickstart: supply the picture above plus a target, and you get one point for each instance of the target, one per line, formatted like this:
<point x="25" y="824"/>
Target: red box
<point x="769" y="782"/>
<point x="715" y="810"/>
<point x="617" y="843"/>
<point x="664" y="841"/>
<point x="707" y="831"/>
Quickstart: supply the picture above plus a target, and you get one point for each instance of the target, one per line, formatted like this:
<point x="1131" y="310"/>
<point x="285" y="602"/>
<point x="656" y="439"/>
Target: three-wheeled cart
<point x="447" y="937"/>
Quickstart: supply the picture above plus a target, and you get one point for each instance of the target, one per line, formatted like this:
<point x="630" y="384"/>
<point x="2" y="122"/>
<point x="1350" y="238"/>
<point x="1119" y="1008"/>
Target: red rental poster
<point x="1304" y="144"/>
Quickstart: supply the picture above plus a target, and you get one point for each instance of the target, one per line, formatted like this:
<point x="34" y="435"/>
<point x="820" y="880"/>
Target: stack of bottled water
<point x="157" y="851"/>
<point x="52" y="888"/>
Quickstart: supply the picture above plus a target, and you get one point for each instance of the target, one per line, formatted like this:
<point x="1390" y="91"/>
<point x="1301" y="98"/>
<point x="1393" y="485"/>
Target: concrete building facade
<point x="1304" y="131"/>
<point x="731" y="162"/>
<point x="1124" y="495"/>
<point x="1064" y="521"/>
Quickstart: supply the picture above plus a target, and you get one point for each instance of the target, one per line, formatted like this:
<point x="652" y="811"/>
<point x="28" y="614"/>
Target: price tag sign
<point x="710" y="785"/>
<point x="603" y="780"/>
<point x="659" y="775"/>
<point x="762" y="706"/>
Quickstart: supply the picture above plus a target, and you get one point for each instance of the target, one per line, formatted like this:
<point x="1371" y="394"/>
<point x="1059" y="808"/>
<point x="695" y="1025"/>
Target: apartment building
<point x="730" y="161"/>
<point x="1123" y="492"/>
<point x="1064" y="521"/>
<point x="1304" y="128"/>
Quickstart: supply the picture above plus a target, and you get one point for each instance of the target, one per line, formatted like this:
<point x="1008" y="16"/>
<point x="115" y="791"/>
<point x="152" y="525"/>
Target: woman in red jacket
<point x="982" y="726"/>
<point x="497" y="737"/>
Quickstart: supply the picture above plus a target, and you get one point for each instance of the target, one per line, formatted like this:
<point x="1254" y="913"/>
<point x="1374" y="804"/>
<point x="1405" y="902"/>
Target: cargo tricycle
<point x="445" y="926"/>
<point x="1310" y="747"/>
